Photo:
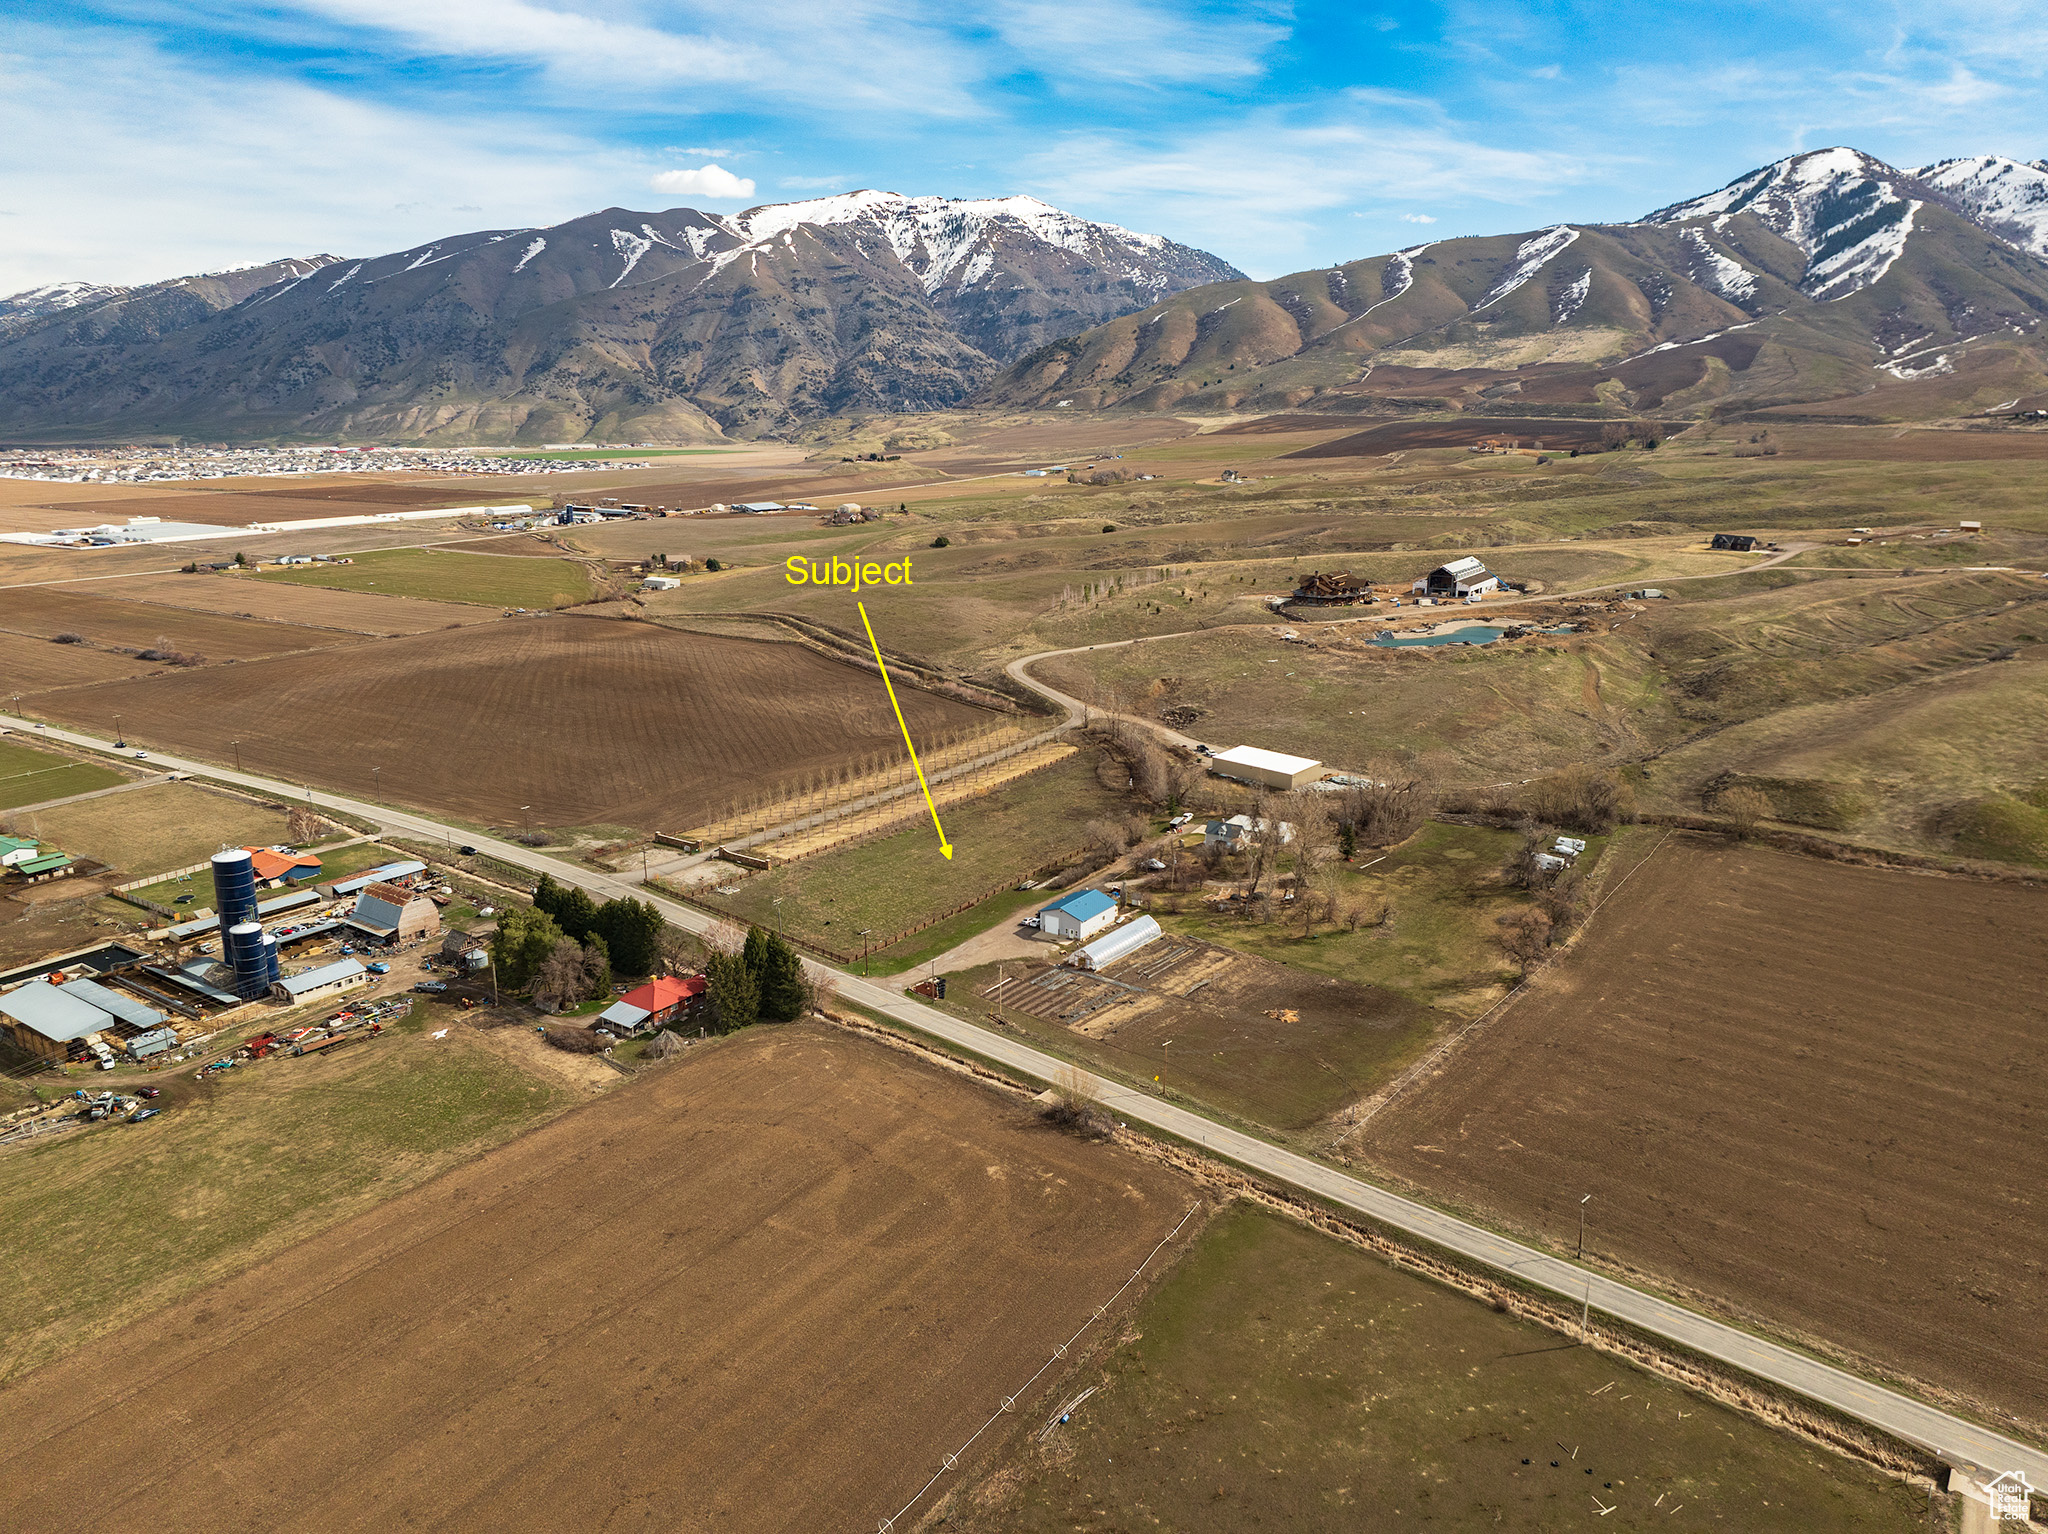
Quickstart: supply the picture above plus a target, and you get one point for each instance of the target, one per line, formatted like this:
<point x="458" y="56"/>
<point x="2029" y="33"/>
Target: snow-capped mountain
<point x="33" y="303"/>
<point x="2008" y="197"/>
<point x="671" y="324"/>
<point x="1783" y="283"/>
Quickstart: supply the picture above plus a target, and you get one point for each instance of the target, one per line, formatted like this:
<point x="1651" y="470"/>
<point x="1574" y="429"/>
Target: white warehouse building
<point x="1460" y="578"/>
<point x="1268" y="769"/>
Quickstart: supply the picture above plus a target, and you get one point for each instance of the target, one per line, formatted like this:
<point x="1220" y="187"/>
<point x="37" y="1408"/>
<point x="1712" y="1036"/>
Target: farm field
<point x="360" y="612"/>
<point x="1279" y="1379"/>
<point x="448" y="577"/>
<point x="1796" y="1090"/>
<point x="615" y="723"/>
<point x="896" y="881"/>
<point x="29" y="776"/>
<point x="166" y="825"/>
<point x="1259" y="1041"/>
<point x="338" y="863"/>
<point x="108" y="1224"/>
<point x="30" y="663"/>
<point x="105" y="618"/>
<point x="808" y="1267"/>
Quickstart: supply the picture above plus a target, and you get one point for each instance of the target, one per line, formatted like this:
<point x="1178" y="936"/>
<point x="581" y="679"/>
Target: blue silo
<point x="242" y="947"/>
<point x="273" y="970"/>
<point x="234" y="888"/>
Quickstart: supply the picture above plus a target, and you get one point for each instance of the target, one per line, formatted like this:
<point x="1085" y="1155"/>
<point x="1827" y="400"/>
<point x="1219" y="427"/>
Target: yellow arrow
<point x="944" y="846"/>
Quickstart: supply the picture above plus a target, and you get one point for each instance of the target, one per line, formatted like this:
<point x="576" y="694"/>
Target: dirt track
<point x="1806" y="1090"/>
<point x="766" y="1289"/>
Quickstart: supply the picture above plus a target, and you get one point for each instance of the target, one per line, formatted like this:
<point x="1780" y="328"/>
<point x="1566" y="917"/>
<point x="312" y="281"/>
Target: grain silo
<point x="234" y="887"/>
<point x="242" y="948"/>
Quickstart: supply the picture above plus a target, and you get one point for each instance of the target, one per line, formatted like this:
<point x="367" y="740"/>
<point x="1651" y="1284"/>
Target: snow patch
<point x="421" y="260"/>
<point x="1572" y="297"/>
<point x="632" y="246"/>
<point x="538" y="245"/>
<point x="1400" y="268"/>
<point x="1731" y="279"/>
<point x="344" y="277"/>
<point x="1530" y="258"/>
<point x="2008" y="196"/>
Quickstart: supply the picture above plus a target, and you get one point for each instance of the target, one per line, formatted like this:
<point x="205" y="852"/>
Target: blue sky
<point x="148" y="138"/>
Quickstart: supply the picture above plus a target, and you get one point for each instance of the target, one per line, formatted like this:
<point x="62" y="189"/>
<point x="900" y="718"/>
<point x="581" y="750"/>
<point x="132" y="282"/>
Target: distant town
<point x="143" y="465"/>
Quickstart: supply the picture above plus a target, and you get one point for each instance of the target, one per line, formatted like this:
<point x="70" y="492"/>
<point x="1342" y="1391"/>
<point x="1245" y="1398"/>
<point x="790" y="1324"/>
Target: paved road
<point x="1897" y="1414"/>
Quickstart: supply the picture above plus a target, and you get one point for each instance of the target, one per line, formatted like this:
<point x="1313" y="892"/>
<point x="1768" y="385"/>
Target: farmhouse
<point x="1460" y="578"/>
<point x="1240" y="831"/>
<point x="1267" y="769"/>
<point x="1120" y="944"/>
<point x="1079" y="915"/>
<point x="1740" y="543"/>
<point x="315" y="984"/>
<point x="661" y="1002"/>
<point x="276" y="866"/>
<point x="1334" y="588"/>
<point x="393" y="914"/>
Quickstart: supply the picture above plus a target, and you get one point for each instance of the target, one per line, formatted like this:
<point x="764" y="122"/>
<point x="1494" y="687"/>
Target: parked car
<point x="379" y="968"/>
<point x="1204" y="750"/>
<point x="1153" y="865"/>
<point x="432" y="987"/>
<point x="149" y="1092"/>
<point x="143" y="1113"/>
<point x="468" y="852"/>
<point x="1031" y="922"/>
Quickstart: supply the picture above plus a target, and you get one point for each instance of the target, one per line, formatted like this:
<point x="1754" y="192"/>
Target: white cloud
<point x="1417" y="218"/>
<point x="1134" y="41"/>
<point x="707" y="181"/>
<point x="139" y="167"/>
<point x="708" y="154"/>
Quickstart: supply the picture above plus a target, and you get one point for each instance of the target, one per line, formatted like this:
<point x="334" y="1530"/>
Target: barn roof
<point x="1081" y="905"/>
<point x="56" y="1016"/>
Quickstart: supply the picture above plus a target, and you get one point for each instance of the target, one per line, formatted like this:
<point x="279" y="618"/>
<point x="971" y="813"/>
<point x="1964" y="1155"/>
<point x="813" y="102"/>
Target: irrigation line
<point x="952" y="1460"/>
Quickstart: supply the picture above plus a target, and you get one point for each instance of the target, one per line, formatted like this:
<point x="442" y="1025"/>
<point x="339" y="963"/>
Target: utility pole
<point x="238" y="756"/>
<point x="865" y="949"/>
<point x="1580" y="1250"/>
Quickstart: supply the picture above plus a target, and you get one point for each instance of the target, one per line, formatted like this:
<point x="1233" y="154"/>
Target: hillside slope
<point x="668" y="326"/>
<point x="1823" y="276"/>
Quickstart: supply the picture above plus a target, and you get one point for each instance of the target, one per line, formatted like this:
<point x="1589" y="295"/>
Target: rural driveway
<point x="1915" y="1421"/>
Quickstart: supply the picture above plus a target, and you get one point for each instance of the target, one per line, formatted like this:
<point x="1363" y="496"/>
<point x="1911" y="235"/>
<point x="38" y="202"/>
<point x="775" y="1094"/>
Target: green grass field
<point x="1278" y="1379"/>
<point x="896" y="881"/>
<point x="1439" y="946"/>
<point x="107" y="1223"/>
<point x="604" y="454"/>
<point x="338" y="863"/>
<point x="489" y="580"/>
<point x="29" y="776"/>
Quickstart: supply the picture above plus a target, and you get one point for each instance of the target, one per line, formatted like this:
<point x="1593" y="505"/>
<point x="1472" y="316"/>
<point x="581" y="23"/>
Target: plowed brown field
<point x="364" y="612"/>
<point x="29" y="663"/>
<point x="587" y="721"/>
<point x="766" y="1289"/>
<point x="1810" y="1093"/>
<point x="107" y="619"/>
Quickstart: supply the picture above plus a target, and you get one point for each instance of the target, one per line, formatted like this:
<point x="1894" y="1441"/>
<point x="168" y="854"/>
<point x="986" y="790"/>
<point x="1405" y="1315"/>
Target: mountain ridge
<point x="673" y="325"/>
<point x="1824" y="276"/>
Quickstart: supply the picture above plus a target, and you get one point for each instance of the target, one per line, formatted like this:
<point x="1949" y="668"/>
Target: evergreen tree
<point x="783" y="992"/>
<point x="734" y="1000"/>
<point x="524" y="939"/>
<point x="756" y="953"/>
<point x="632" y="931"/>
<point x="575" y="913"/>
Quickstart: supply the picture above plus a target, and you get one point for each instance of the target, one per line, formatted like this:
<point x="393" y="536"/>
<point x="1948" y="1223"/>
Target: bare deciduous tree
<point x="1743" y="808"/>
<point x="1526" y="937"/>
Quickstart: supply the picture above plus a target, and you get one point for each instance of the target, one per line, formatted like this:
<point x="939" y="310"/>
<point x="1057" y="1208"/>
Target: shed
<point x="1079" y="915"/>
<point x="1123" y="942"/>
<point x="1268" y="769"/>
<point x="1460" y="578"/>
<point x="755" y="508"/>
<point x="327" y="980"/>
<point x="43" y="1020"/>
<point x="384" y="873"/>
<point x="15" y="850"/>
<point x="1740" y="543"/>
<point x="48" y="865"/>
<point x="393" y="914"/>
<point x="122" y="1008"/>
<point x="660" y="583"/>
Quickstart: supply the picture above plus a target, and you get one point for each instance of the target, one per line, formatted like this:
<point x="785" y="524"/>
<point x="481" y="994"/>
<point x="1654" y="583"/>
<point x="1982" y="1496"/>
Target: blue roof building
<point x="1079" y="915"/>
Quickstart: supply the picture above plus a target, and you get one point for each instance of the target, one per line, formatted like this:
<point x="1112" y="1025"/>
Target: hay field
<point x="1801" y="1092"/>
<point x="587" y="721"/>
<point x="30" y="776"/>
<point x="1350" y="1395"/>
<point x="445" y="577"/>
<point x="768" y="1287"/>
<point x="163" y="826"/>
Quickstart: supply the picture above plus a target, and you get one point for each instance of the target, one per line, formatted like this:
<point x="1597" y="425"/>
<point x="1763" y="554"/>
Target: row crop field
<point x="449" y="577"/>
<point x="1803" y="1092"/>
<point x="557" y="721"/>
<point x="29" y="776"/>
<point x="897" y="882"/>
<point x="762" y="1289"/>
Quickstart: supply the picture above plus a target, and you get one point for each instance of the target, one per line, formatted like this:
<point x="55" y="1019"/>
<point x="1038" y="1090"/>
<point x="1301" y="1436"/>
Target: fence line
<point x="1010" y="1402"/>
